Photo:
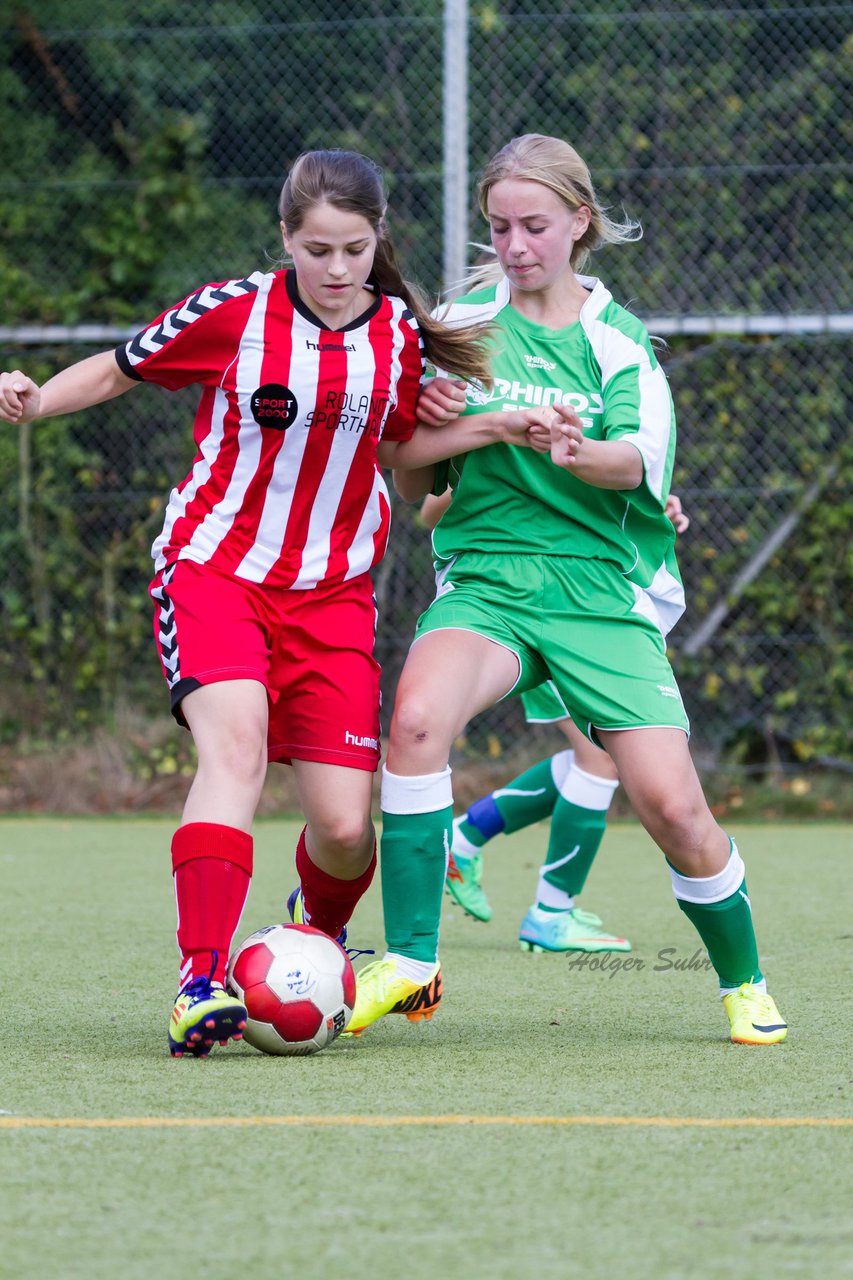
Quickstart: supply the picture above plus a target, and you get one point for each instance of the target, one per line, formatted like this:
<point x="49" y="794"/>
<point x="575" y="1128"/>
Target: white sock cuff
<point x="414" y="970"/>
<point x="547" y="895"/>
<point x="759" y="986"/>
<point x="587" y="790"/>
<point x="423" y="794"/>
<point x="561" y="766"/>
<point x="459" y="842"/>
<point x="707" y="889"/>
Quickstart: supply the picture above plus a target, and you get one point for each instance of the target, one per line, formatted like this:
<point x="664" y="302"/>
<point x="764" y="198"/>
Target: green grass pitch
<point x="551" y="1121"/>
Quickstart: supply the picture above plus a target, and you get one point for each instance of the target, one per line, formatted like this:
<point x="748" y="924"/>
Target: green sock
<point x="528" y="798"/>
<point x="576" y="835"/>
<point x="412" y="863"/>
<point x="728" y="933"/>
<point x="719" y="908"/>
<point x="577" y="829"/>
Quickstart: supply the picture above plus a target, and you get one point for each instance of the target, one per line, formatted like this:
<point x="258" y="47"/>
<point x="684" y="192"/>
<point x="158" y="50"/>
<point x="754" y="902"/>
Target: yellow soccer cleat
<point x="380" y="990"/>
<point x="753" y="1016"/>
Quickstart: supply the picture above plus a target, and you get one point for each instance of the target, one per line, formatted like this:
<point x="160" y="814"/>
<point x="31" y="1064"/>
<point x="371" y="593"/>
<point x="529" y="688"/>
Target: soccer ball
<point x="298" y="987"/>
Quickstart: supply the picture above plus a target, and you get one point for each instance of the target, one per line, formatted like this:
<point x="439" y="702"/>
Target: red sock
<point x="212" y="866"/>
<point x="329" y="903"/>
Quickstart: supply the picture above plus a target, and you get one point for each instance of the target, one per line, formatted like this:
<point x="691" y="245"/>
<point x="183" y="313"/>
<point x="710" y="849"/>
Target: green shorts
<point x="578" y="623"/>
<point x="543" y="705"/>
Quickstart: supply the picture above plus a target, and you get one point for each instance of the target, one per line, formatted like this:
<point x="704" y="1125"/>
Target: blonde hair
<point x="352" y="182"/>
<point x="535" y="157"/>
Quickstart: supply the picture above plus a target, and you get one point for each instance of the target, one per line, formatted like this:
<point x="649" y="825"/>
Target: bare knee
<point x="677" y="822"/>
<point x="417" y="727"/>
<point x="345" y="833"/>
<point x="236" y="758"/>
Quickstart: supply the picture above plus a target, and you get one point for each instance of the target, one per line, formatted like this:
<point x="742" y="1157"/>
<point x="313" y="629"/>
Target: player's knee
<point x="240" y="756"/>
<point x="345" y="837"/>
<point x="681" y="820"/>
<point x="415" y="721"/>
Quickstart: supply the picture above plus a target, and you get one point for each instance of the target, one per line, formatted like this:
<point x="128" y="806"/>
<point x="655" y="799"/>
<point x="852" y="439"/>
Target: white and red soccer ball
<point x="298" y="986"/>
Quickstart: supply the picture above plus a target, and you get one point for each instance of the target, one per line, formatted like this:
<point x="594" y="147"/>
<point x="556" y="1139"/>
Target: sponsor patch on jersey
<point x="274" y="405"/>
<point x="539" y="362"/>
<point x="476" y="393"/>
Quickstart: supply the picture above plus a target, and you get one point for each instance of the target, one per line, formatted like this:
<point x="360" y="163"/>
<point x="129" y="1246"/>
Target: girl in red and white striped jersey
<point x="264" y="610"/>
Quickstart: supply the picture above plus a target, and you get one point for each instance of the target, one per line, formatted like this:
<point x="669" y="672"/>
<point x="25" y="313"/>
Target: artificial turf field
<point x="550" y="1121"/>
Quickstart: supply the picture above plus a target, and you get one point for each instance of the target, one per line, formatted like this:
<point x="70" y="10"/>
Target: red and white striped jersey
<point x="285" y="488"/>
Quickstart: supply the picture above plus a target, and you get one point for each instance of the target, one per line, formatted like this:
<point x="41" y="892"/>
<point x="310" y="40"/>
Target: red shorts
<point x="312" y="650"/>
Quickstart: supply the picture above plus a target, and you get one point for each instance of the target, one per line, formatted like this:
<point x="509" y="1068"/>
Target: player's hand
<point x="567" y="437"/>
<point x="19" y="397"/>
<point x="442" y="400"/>
<point x="539" y="431"/>
<point x="530" y="428"/>
<point x="679" y="518"/>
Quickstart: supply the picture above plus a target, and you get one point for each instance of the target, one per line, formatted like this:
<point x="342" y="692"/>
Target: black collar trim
<point x="308" y="314"/>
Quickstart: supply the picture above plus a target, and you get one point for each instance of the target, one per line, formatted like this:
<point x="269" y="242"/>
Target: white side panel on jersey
<point x="302" y="379"/>
<point x="361" y="370"/>
<point x="220" y="518"/>
<point x="360" y="551"/>
<point x="180" y="500"/>
<point x="615" y="351"/>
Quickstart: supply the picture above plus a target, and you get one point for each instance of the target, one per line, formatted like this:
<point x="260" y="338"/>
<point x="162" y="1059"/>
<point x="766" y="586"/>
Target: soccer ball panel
<point x="251" y="965"/>
<point x="298" y="986"/>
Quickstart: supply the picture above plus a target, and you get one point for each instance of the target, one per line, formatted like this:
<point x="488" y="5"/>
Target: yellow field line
<point x="391" y="1122"/>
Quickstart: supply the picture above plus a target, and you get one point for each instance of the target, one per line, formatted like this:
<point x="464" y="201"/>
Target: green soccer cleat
<point x="753" y="1016"/>
<point x="573" y="930"/>
<point x="380" y="990"/>
<point x="204" y="1013"/>
<point x="462" y="882"/>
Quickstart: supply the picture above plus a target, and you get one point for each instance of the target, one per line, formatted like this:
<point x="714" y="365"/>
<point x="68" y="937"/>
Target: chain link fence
<point x="143" y="147"/>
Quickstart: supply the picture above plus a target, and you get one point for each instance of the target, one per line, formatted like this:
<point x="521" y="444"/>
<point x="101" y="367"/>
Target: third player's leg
<point x="588" y="756"/>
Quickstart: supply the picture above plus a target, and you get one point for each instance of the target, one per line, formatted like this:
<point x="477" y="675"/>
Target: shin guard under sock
<point x="329" y="902"/>
<point x="212" y="867"/>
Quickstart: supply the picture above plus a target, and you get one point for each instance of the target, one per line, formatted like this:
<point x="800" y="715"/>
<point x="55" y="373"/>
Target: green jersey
<point x="509" y="499"/>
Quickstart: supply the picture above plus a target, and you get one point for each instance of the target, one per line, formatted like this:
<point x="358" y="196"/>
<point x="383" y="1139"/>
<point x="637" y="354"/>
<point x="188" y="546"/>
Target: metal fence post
<point x="455" y="142"/>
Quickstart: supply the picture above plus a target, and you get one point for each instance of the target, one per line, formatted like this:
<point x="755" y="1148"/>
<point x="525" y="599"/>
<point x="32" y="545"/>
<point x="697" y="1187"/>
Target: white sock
<point x="460" y="843"/>
<point x="415" y="970"/>
<point x="547" y="895"/>
<point x="759" y="986"/>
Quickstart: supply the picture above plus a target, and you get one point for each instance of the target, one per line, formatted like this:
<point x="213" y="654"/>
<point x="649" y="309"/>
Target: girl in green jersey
<point x="556" y="566"/>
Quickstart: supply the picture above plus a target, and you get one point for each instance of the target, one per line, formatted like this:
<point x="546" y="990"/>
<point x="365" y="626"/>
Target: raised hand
<point x="19" y="397"/>
<point x="566" y="436"/>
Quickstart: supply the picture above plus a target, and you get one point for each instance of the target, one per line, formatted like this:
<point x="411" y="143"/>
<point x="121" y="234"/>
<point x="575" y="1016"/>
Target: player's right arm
<point x="90" y="381"/>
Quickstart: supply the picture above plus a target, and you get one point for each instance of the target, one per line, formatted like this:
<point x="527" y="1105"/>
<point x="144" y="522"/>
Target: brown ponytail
<point x="463" y="350"/>
<point x="352" y="182"/>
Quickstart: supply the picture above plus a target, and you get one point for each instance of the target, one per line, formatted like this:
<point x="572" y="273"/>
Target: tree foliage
<point x="142" y="149"/>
